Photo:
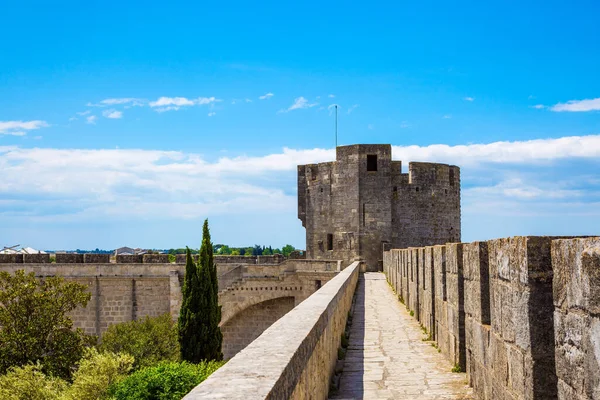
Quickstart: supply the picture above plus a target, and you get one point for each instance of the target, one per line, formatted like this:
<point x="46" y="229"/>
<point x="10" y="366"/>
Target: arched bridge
<point x="253" y="297"/>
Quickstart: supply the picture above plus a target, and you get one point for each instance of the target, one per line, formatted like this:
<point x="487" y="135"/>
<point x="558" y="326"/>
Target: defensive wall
<point x="295" y="357"/>
<point x="520" y="315"/>
<point x="253" y="291"/>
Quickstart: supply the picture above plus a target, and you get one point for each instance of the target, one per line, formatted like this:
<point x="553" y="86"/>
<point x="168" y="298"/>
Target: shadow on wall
<point x="352" y="383"/>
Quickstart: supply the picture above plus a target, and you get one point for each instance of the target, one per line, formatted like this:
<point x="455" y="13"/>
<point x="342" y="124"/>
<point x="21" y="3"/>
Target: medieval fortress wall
<point x="253" y="291"/>
<point x="519" y="315"/>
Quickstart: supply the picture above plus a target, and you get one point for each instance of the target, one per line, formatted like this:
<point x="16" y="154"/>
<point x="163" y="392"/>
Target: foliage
<point x="165" y="381"/>
<point x="287" y="249"/>
<point x="456" y="368"/>
<point x="149" y="341"/>
<point x="96" y="373"/>
<point x="200" y="337"/>
<point x="35" y="323"/>
<point x="172" y="258"/>
<point x="53" y="259"/>
<point x="30" y="383"/>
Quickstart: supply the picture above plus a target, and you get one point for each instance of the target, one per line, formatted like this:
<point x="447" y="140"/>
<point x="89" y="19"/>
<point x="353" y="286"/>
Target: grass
<point x="456" y="368"/>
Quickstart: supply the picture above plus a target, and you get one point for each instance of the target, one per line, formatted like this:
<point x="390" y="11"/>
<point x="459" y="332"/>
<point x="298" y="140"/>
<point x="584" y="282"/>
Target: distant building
<point x="22" y="250"/>
<point x="128" y="251"/>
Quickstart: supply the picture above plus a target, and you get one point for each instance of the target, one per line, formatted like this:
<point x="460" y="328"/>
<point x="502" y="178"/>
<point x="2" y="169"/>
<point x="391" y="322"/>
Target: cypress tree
<point x="210" y="286"/>
<point x="200" y="337"/>
<point x="189" y="323"/>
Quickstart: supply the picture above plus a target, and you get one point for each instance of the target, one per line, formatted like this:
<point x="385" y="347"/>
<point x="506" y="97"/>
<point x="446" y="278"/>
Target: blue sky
<point x="127" y="123"/>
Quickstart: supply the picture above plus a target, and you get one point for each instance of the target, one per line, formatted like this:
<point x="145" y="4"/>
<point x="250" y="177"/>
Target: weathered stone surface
<point x="125" y="292"/>
<point x="11" y="258"/>
<point x="295" y="357"/>
<point x="96" y="258"/>
<point x="576" y="287"/>
<point x="530" y="313"/>
<point x="62" y="258"/>
<point x="36" y="258"/>
<point x="351" y="212"/>
<point x="129" y="258"/>
<point x="155" y="259"/>
<point x="387" y="357"/>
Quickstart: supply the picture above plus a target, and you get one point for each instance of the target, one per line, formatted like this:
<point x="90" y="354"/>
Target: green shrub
<point x="30" y="383"/>
<point x="344" y="341"/>
<point x="149" y="341"/>
<point x="456" y="368"/>
<point x="165" y="381"/>
<point x="412" y="313"/>
<point x="96" y="373"/>
<point x="172" y="258"/>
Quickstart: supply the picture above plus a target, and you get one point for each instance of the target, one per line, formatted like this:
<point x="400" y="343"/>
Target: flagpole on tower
<point x="336" y="126"/>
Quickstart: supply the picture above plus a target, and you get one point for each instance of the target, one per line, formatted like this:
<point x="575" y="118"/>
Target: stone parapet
<point x="92" y="258"/>
<point x="295" y="357"/>
<point x="69" y="258"/>
<point x="519" y="314"/>
<point x="36" y="258"/>
<point x="11" y="258"/>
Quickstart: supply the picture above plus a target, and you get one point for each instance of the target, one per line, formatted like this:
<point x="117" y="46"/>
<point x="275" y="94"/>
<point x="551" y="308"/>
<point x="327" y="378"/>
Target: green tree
<point x="287" y="249"/>
<point x="190" y="319"/>
<point x="200" y="337"/>
<point x="207" y="270"/>
<point x="35" y="321"/>
<point x="235" y="252"/>
<point x="267" y="252"/>
<point x="96" y="373"/>
<point x="30" y="383"/>
<point x="149" y="341"/>
<point x="164" y="381"/>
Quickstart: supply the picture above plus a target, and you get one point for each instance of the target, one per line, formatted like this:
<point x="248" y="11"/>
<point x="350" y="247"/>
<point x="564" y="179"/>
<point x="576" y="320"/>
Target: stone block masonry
<point x="295" y="357"/>
<point x="355" y="206"/>
<point x="520" y="315"/>
<point x="252" y="296"/>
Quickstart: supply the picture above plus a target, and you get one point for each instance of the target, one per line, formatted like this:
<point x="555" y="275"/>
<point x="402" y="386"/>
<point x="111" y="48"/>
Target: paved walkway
<point x="387" y="358"/>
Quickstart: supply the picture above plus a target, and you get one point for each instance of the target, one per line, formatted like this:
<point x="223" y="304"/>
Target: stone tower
<point x="354" y="206"/>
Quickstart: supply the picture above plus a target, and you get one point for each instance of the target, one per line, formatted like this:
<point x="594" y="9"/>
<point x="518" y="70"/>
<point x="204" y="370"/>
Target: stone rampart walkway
<point x="387" y="357"/>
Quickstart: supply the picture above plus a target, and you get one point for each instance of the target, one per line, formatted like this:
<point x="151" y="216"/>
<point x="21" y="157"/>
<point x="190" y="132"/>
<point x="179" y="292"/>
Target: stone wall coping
<point x="270" y="367"/>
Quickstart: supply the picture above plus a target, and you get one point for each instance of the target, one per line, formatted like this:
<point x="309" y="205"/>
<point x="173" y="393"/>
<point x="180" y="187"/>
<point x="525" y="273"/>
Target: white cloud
<point x="578" y="105"/>
<point x="352" y="108"/>
<point x="126" y="100"/>
<point x="129" y="101"/>
<point x="82" y="113"/>
<point x="331" y="96"/>
<point x="447" y="116"/>
<point x="469" y="98"/>
<point x="539" y="106"/>
<point x="175" y="103"/>
<point x="248" y="101"/>
<point x="152" y="184"/>
<point x="19" y="128"/>
<point x="299" y="104"/>
<point x="519" y="152"/>
<point x="112" y="114"/>
<point x="164" y="109"/>
<point x="91" y="119"/>
<point x="266" y="96"/>
<point x="531" y="97"/>
<point x="212" y="114"/>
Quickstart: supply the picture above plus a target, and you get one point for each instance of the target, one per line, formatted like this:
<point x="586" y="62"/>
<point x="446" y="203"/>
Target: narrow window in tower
<point x="364" y="214"/>
<point x="329" y="241"/>
<point x="371" y="162"/>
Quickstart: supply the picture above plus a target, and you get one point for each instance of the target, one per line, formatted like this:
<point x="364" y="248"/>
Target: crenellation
<point x="355" y="206"/>
<point x="517" y="314"/>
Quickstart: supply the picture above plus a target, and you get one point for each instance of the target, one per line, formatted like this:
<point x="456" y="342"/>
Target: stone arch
<point x="245" y="326"/>
<point x="236" y="301"/>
